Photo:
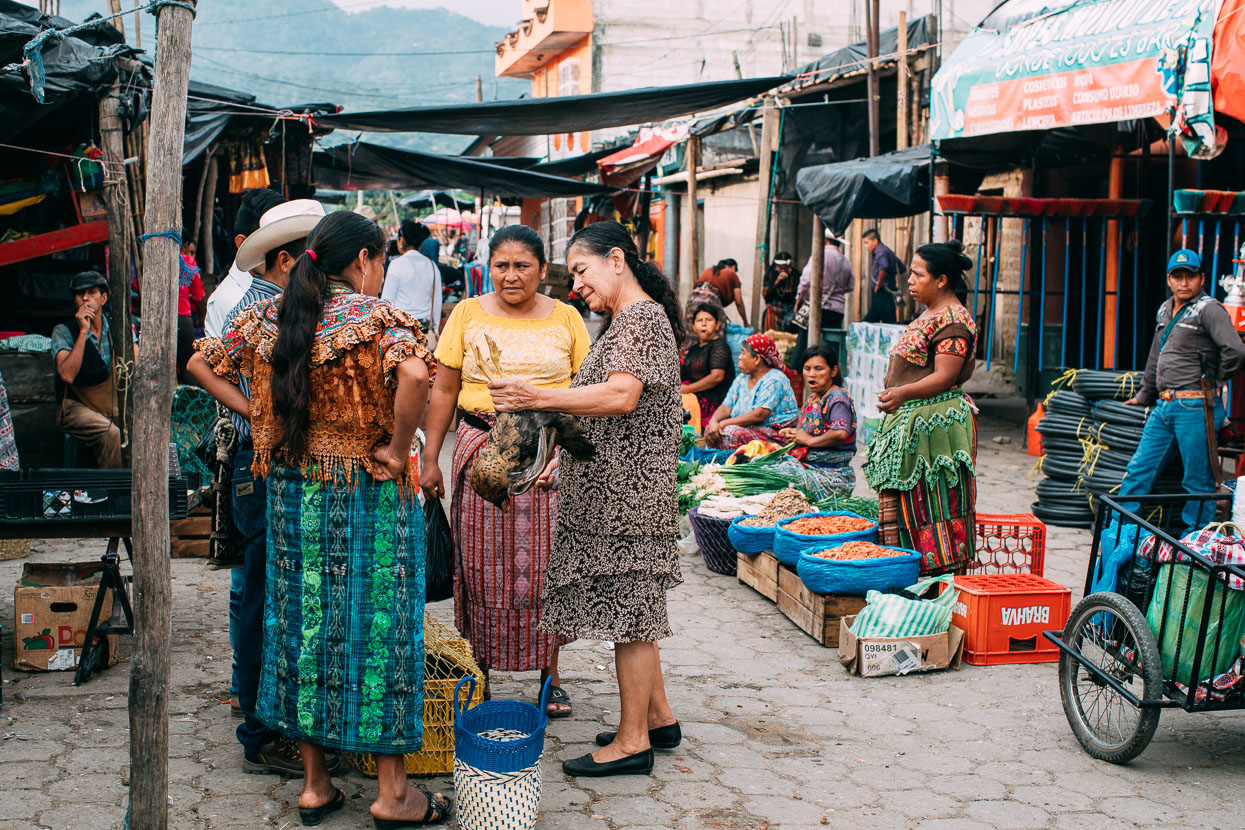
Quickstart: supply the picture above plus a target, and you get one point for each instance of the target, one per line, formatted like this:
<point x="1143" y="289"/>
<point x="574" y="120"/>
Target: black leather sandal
<point x="311" y="816"/>
<point x="558" y="697"/>
<point x="439" y="806"/>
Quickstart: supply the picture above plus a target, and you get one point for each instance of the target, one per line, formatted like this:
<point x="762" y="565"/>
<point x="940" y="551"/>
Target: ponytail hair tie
<point x="311" y="254"/>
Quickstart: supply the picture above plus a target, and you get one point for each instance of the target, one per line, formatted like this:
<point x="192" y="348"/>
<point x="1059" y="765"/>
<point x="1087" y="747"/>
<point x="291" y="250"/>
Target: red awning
<point x="625" y="167"/>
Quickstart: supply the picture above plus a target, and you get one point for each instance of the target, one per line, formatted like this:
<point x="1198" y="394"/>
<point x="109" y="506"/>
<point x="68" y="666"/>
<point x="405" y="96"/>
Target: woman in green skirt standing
<point x="921" y="460"/>
<point x="339" y="380"/>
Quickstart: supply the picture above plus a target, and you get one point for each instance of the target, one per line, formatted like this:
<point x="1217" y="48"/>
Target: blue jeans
<point x="236" y="580"/>
<point x="250" y="508"/>
<point x="1175" y="426"/>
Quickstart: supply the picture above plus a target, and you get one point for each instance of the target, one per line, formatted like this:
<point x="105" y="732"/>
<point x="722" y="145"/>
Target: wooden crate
<point x="188" y="537"/>
<point x="759" y="572"/>
<point x="817" y="615"/>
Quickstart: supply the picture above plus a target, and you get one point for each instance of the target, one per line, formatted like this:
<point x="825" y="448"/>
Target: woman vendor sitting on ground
<point x="707" y="368"/>
<point x="920" y="462"/>
<point x="825" y="436"/>
<point x="760" y="402"/>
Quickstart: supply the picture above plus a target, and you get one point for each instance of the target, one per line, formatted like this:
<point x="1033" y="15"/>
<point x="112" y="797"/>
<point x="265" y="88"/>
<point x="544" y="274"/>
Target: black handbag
<point x="438" y="553"/>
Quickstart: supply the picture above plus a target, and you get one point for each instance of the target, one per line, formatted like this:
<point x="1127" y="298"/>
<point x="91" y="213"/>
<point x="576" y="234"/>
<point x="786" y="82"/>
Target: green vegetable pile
<point x="865" y="508"/>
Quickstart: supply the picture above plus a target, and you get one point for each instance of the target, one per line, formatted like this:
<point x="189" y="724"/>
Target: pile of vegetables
<point x="784" y="505"/>
<point x="732" y="507"/>
<point x="856" y="550"/>
<point x="828" y="525"/>
<point x="860" y="506"/>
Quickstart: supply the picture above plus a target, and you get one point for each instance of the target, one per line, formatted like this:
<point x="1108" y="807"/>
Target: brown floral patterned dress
<point x="614" y="554"/>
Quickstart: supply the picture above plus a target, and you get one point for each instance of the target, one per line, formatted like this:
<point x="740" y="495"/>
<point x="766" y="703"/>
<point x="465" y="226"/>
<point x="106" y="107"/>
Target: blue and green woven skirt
<point x="344" y="613"/>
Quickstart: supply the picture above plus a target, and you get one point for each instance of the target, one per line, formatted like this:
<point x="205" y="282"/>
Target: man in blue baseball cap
<point x="1196" y="349"/>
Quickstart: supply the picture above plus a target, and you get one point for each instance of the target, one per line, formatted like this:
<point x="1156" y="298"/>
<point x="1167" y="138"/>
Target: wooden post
<point x="114" y="7"/>
<point x="871" y="79"/>
<point x="769" y="132"/>
<point x="817" y="262"/>
<point x="207" y="251"/>
<point x="691" y="225"/>
<point x="1110" y="297"/>
<point x="901" y="85"/>
<point x="119" y="259"/>
<point x="153" y="385"/>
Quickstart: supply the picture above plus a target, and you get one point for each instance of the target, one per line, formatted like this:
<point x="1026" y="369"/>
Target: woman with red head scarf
<point x="760" y="402"/>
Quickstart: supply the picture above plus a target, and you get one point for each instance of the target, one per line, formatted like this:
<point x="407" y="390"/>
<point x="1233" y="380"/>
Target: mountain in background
<point x="283" y="53"/>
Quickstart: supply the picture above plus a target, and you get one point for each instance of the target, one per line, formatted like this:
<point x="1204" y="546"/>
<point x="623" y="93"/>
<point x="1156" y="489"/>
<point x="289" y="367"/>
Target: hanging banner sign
<point x="1091" y="62"/>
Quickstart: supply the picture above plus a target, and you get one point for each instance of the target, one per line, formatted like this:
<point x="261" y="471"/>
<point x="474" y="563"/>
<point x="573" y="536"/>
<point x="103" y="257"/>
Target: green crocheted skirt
<point x="932" y="440"/>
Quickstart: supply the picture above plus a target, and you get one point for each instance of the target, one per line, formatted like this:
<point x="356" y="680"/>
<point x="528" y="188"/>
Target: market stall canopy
<point x="626" y="166"/>
<point x="883" y="187"/>
<point x="363" y="166"/>
<point x="922" y="32"/>
<point x="1041" y="64"/>
<point x="564" y="114"/>
<point x="575" y="165"/>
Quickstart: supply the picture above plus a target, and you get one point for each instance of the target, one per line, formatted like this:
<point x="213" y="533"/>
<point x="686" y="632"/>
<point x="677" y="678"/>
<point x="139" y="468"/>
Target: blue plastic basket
<point x="492" y="755"/>
<point x="750" y="540"/>
<point x="859" y="576"/>
<point x="704" y="456"/>
<point x="788" y="545"/>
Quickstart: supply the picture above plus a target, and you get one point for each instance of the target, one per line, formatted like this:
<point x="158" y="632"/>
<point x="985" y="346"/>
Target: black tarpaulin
<point x="883" y="187"/>
<point x="363" y="166"/>
<point x="575" y="165"/>
<point x="565" y="114"/>
<point x="921" y="32"/>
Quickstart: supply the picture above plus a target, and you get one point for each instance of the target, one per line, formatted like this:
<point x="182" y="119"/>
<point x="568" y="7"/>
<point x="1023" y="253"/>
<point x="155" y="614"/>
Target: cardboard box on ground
<point x="52" y="605"/>
<point x="881" y="656"/>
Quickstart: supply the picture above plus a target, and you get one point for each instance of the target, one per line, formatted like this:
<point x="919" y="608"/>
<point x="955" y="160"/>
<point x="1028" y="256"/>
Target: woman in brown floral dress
<point x="614" y="554"/>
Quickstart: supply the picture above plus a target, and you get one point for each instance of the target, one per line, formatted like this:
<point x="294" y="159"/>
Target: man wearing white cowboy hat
<point x="274" y="247"/>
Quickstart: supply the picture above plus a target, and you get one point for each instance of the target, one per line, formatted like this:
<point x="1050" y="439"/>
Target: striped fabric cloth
<point x="501" y="563"/>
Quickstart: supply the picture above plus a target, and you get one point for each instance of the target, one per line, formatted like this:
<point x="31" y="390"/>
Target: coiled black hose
<point x="1098" y="386"/>
<point x="1114" y="412"/>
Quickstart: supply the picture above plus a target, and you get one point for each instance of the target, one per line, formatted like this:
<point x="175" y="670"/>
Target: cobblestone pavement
<point x="778" y="735"/>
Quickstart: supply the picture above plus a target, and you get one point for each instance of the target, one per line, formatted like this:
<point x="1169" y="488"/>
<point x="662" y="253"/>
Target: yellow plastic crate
<point x="447" y="658"/>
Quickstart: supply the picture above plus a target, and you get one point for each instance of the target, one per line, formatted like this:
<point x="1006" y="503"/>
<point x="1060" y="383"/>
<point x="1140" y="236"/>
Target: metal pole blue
<point x="1136" y="299"/>
<point x="994" y="288"/>
<point x="1213" y="276"/>
<point x="1201" y="230"/>
<point x="1020" y="293"/>
<point x="1119" y="267"/>
<point x="1041" y="334"/>
<point x="1084" y="299"/>
<point x="977" y="270"/>
<point x="1067" y="263"/>
<point x="1184" y="232"/>
<point x="1101" y="292"/>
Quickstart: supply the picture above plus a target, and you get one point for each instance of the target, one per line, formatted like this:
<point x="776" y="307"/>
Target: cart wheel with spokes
<point x="1107" y="631"/>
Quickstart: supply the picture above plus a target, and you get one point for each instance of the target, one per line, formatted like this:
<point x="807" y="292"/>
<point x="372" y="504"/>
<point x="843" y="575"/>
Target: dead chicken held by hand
<point x="520" y="444"/>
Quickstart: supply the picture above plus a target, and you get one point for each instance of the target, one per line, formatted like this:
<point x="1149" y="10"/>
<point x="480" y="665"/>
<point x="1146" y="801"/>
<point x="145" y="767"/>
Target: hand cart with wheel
<point x="1118" y="667"/>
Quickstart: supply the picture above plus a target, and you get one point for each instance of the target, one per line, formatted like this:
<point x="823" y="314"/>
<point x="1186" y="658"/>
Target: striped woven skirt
<point x="500" y="569"/>
<point x="344" y="613"/>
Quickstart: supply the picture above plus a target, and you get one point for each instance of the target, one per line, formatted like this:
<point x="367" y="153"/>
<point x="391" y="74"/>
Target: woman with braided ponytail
<point x="614" y="554"/>
<point x="339" y="380"/>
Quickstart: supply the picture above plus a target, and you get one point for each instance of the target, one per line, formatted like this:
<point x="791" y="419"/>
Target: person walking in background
<point x="1196" y="349"/>
<point x="837" y="281"/>
<point x="614" y="554"/>
<point x="760" y="403"/>
<point x="255" y="203"/>
<point x="779" y="290"/>
<point x="921" y="460"/>
<point x="339" y="381"/>
<point x="885" y="273"/>
<point x="502" y="556"/>
<point x="413" y="282"/>
<point x="724" y="278"/>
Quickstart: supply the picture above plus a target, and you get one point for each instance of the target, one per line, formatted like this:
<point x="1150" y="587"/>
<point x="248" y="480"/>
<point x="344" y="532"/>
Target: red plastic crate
<point x="1009" y="543"/>
<point x="1003" y="617"/>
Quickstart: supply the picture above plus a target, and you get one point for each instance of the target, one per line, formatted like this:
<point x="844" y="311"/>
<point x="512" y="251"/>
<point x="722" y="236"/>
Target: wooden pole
<point x="691" y="225"/>
<point x="114" y="7"/>
<point x="153" y="385"/>
<point x="818" y="266"/>
<point x="871" y="79"/>
<point x="207" y="251"/>
<point x="901" y="85"/>
<point x="769" y="131"/>
<point x="1110" y="297"/>
<point x="116" y="189"/>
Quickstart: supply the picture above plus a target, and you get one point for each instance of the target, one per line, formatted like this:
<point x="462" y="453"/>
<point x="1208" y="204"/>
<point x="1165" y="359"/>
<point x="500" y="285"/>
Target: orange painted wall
<point x="545" y="84"/>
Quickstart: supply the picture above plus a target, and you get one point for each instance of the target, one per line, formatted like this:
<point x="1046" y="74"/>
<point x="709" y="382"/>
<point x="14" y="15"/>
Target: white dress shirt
<point x="231" y="289"/>
<point x="413" y="284"/>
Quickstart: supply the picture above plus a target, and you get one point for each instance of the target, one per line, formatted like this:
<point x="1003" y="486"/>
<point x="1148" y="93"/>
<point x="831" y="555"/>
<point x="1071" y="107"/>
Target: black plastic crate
<point x="37" y="496"/>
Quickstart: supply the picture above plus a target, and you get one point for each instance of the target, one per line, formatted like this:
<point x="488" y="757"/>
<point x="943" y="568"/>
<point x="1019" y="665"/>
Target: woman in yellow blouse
<point x="502" y="556"/>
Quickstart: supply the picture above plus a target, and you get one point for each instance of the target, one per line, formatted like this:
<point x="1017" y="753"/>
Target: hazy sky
<point x="493" y="12"/>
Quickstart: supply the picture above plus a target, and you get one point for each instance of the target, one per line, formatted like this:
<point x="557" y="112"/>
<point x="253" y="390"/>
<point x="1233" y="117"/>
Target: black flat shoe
<point x="439" y="807"/>
<point x="311" y="816"/>
<point x="663" y="737"/>
<point x="639" y="764"/>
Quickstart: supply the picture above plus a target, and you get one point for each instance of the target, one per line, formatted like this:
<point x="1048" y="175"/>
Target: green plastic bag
<point x="1228" y="630"/>
<point x="892" y="615"/>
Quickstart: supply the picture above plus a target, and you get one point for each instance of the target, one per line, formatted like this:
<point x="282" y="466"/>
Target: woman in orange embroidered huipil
<point x="920" y="462"/>
<point x="339" y="380"/>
